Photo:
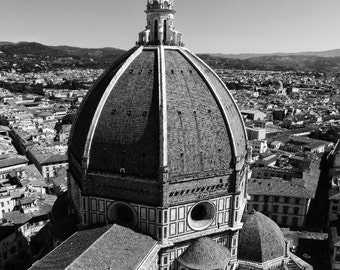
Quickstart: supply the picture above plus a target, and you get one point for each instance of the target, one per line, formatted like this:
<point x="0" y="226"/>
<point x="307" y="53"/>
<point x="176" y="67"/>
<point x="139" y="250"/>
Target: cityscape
<point x="158" y="158"/>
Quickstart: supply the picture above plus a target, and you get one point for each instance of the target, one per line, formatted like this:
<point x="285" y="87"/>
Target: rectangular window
<point x="94" y="204"/>
<point x="173" y="214"/>
<point x="84" y="204"/>
<point x="143" y="215"/>
<point x="165" y="216"/>
<point x="226" y="217"/>
<point x="152" y="214"/>
<point x="101" y="207"/>
<point x="236" y="203"/>
<point x="159" y="216"/>
<point x="227" y="205"/>
<point x="172" y="255"/>
<point x="181" y="213"/>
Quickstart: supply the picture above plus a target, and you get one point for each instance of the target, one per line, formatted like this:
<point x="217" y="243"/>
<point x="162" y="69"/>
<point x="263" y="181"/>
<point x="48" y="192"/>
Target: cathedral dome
<point x="158" y="108"/>
<point x="260" y="239"/>
<point x="158" y="115"/>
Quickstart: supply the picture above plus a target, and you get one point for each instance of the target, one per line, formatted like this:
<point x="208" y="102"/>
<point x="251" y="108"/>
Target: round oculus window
<point x="122" y="214"/>
<point x="201" y="215"/>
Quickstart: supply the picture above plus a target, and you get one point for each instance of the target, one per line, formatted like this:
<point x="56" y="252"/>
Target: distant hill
<point x="34" y="48"/>
<point x="301" y="63"/>
<point x="5" y="43"/>
<point x="329" y="53"/>
<point x="29" y="48"/>
<point x="33" y="56"/>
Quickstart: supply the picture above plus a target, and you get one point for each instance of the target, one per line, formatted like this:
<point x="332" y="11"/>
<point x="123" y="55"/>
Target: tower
<point x="159" y="146"/>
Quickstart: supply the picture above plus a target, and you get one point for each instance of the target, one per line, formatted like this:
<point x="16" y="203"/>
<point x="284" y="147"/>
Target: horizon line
<point x="214" y="53"/>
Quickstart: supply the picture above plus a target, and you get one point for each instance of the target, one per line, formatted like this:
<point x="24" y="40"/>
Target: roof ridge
<point x="259" y="232"/>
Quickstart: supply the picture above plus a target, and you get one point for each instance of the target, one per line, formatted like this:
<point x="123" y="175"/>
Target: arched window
<point x="165" y="31"/>
<point x="156" y="31"/>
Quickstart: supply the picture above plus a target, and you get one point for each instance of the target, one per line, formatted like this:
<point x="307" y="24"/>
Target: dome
<point x="205" y="254"/>
<point x="157" y="109"/>
<point x="260" y="239"/>
<point x="159" y="127"/>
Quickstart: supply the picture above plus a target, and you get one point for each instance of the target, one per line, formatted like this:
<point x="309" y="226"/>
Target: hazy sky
<point x="226" y="26"/>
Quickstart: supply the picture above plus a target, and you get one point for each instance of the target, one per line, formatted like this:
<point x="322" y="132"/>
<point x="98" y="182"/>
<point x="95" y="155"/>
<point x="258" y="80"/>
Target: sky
<point x="210" y="26"/>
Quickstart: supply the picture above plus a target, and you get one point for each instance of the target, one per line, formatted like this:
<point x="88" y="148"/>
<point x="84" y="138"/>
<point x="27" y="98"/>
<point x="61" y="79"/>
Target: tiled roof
<point x="299" y="188"/>
<point x="19" y="218"/>
<point x="47" y="157"/>
<point x="16" y="217"/>
<point x="120" y="249"/>
<point x="110" y="247"/>
<point x="65" y="253"/>
<point x="56" y="158"/>
<point x="127" y="125"/>
<point x="205" y="254"/>
<point x="13" y="161"/>
<point x="27" y="200"/>
<point x="84" y="118"/>
<point x="260" y="239"/>
<point x="277" y="188"/>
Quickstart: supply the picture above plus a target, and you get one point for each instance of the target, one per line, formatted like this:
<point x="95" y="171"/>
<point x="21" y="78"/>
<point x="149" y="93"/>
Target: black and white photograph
<point x="169" y="135"/>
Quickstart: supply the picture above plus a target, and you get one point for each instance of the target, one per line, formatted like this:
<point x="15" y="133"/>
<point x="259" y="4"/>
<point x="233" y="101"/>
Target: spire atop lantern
<point x="160" y="28"/>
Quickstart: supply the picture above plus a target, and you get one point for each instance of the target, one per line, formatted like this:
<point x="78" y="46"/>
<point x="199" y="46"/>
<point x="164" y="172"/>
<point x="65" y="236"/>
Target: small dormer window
<point x="122" y="172"/>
